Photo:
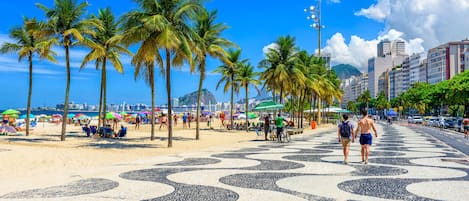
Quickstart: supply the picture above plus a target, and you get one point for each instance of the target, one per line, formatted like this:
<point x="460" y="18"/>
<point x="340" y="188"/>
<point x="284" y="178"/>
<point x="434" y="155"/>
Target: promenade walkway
<point x="405" y="164"/>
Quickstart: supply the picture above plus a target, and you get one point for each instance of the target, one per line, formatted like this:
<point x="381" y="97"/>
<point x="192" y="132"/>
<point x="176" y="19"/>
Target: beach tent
<point x="268" y="105"/>
<point x="329" y="109"/>
<point x="24" y="116"/>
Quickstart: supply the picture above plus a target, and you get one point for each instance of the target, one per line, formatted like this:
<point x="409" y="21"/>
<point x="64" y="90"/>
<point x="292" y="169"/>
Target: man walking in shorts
<point x="365" y="125"/>
<point x="465" y="122"/>
<point x="345" y="134"/>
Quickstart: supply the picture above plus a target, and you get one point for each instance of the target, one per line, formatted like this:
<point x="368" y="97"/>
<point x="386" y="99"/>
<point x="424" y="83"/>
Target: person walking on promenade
<point x="465" y="122"/>
<point x="364" y="126"/>
<point x="279" y="125"/>
<point x="267" y="120"/>
<point x="345" y="134"/>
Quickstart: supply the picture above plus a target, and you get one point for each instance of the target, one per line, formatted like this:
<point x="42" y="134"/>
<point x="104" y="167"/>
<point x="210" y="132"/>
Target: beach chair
<point x="93" y="130"/>
<point x="86" y="130"/>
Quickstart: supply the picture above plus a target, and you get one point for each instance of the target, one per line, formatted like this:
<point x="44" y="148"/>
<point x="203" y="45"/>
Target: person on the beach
<point x="465" y="122"/>
<point x="184" y="120"/>
<point x="189" y="119"/>
<point x="364" y="126"/>
<point x="267" y="120"/>
<point x="345" y="134"/>
<point x="163" y="121"/>
<point x="222" y="117"/>
<point x="279" y="125"/>
<point x="137" y="122"/>
<point x="175" y="119"/>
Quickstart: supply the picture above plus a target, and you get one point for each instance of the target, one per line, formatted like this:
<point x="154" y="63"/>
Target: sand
<point x="42" y="158"/>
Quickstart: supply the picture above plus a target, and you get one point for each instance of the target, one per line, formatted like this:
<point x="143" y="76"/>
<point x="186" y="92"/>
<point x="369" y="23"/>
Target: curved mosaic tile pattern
<point x="80" y="187"/>
<point x="402" y="163"/>
<point x="192" y="162"/>
<point x="382" y="188"/>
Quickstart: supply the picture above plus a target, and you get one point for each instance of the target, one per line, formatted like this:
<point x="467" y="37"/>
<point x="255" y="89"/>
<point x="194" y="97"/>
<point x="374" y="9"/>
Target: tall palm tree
<point x="209" y="43"/>
<point x="229" y="71"/>
<point x="247" y="77"/>
<point x="106" y="47"/>
<point x="29" y="43"/>
<point x="65" y="23"/>
<point x="162" y="25"/>
<point x="279" y="66"/>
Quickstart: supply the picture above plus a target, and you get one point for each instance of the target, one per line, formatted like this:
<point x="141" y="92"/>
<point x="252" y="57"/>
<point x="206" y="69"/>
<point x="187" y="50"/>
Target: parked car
<point x="458" y="125"/>
<point x="417" y="120"/>
<point x="433" y="122"/>
<point x="450" y="123"/>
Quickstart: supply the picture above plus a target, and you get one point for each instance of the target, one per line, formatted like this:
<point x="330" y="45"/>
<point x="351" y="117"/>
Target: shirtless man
<point x="365" y="125"/>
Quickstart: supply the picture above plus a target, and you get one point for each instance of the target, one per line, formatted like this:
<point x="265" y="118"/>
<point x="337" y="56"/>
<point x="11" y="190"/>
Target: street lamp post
<point x="314" y="14"/>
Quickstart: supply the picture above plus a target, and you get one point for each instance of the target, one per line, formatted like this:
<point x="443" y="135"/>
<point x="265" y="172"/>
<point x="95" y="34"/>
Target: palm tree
<point x="229" y="71"/>
<point x="279" y="66"/>
<point x="209" y="42"/>
<point x="65" y="24"/>
<point x="29" y="43"/>
<point x="246" y="77"/>
<point x="161" y="25"/>
<point x="105" y="48"/>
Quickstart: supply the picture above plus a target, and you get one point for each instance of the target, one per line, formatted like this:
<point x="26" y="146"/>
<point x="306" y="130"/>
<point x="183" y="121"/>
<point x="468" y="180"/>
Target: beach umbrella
<point x="113" y="115"/>
<point x="71" y="115"/>
<point x="81" y="117"/>
<point x="24" y="116"/>
<point x="57" y="115"/>
<point x="10" y="112"/>
<point x="268" y="105"/>
<point x="123" y="113"/>
<point x="391" y="113"/>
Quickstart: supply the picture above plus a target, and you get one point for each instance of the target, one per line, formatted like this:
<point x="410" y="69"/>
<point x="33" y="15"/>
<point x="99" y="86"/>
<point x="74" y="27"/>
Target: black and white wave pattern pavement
<point x="404" y="165"/>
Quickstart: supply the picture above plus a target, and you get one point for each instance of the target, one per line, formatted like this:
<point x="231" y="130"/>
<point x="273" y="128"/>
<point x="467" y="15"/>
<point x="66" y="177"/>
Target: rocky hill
<point x="345" y="71"/>
<point x="191" y="98"/>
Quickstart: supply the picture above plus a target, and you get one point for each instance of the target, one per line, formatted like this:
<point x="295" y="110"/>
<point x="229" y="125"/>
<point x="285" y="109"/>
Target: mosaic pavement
<point x="404" y="165"/>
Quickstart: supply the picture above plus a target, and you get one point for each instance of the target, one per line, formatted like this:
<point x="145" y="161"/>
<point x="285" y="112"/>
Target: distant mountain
<point x="191" y="98"/>
<point x="345" y="71"/>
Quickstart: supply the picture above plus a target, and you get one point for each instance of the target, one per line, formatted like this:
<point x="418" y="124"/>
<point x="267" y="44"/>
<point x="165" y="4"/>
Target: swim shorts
<point x="365" y="139"/>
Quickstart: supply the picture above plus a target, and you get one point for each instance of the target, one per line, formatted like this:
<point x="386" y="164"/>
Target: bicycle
<point x="284" y="136"/>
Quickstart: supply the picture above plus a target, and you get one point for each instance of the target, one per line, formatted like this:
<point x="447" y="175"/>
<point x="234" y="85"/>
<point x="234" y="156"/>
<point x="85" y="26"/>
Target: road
<point x="406" y="163"/>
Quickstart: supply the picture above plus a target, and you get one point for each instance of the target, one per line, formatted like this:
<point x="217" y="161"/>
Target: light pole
<point x="314" y="14"/>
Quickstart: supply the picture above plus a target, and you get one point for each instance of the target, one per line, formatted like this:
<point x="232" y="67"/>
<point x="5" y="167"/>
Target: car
<point x="417" y="120"/>
<point x="433" y="122"/>
<point x="450" y="123"/>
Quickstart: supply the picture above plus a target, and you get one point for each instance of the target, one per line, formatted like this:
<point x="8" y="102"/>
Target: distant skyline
<point x="353" y="28"/>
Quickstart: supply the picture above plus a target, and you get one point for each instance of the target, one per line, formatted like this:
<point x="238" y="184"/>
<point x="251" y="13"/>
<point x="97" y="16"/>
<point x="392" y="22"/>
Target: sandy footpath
<point x="42" y="158"/>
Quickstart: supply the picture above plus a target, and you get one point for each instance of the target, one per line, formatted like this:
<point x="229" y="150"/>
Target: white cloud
<point x="435" y="21"/>
<point x="358" y="50"/>
<point x="268" y="47"/>
<point x="377" y="11"/>
<point x="334" y="1"/>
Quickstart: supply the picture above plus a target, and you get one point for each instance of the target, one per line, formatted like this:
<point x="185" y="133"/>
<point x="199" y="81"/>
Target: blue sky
<point x="254" y="24"/>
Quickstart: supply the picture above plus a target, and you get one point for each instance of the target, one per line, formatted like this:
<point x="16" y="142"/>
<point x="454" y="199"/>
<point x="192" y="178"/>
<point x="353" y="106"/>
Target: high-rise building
<point x="398" y="48"/>
<point x="384" y="48"/>
<point x="384" y="61"/>
<point x="383" y="83"/>
<point x="415" y="63"/>
<point x="423" y="71"/>
<point x="447" y="60"/>
<point x="395" y="82"/>
<point x="175" y="102"/>
<point x="405" y="74"/>
<point x="353" y="87"/>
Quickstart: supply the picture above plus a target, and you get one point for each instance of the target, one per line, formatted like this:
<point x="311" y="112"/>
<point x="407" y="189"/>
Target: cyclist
<point x="279" y="125"/>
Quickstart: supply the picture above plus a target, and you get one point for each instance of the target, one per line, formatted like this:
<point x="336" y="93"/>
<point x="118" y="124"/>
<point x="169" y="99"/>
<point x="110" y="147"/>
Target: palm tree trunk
<point x="104" y="90"/>
<point x="311" y="110"/>
<point x="232" y="104"/>
<point x="67" y="91"/>
<point x="247" y="109"/>
<point x="152" y="83"/>
<point x="30" y="91"/>
<point x="319" y="110"/>
<point x="168" y="90"/>
<point x="199" y="94"/>
<point x="100" y="110"/>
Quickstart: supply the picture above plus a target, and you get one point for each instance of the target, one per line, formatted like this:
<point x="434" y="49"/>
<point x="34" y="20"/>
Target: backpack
<point x="345" y="129"/>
